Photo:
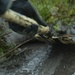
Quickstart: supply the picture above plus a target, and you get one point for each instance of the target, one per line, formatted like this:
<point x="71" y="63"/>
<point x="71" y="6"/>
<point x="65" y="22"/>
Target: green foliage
<point x="55" y="9"/>
<point x="3" y="46"/>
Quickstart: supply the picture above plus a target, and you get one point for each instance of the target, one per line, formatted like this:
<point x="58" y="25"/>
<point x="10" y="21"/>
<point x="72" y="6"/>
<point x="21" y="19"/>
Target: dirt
<point x="41" y="59"/>
<point x="61" y="61"/>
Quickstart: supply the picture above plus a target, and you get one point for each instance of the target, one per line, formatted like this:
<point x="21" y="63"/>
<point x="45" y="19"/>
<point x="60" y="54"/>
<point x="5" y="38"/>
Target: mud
<point x="41" y="59"/>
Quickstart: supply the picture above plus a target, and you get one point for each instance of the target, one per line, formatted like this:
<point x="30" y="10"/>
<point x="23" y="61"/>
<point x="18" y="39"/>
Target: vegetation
<point x="4" y="47"/>
<point x="53" y="12"/>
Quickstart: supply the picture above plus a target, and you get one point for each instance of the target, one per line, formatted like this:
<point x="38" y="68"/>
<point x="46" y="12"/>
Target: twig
<point x="4" y="34"/>
<point x="15" y="48"/>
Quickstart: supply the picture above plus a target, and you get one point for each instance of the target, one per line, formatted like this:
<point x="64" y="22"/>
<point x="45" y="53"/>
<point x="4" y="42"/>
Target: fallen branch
<point x="26" y="21"/>
<point x="13" y="49"/>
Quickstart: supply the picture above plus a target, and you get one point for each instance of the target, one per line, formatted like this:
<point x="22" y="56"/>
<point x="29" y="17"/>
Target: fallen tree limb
<point x="26" y="21"/>
<point x="23" y="21"/>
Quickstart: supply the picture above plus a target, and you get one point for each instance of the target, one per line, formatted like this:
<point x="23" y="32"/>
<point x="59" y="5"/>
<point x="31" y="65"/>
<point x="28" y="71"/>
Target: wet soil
<point x="39" y="58"/>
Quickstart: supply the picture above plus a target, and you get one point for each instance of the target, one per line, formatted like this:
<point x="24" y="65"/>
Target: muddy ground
<point x="41" y="59"/>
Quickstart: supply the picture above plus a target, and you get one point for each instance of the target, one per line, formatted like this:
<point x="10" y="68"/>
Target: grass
<point x="62" y="8"/>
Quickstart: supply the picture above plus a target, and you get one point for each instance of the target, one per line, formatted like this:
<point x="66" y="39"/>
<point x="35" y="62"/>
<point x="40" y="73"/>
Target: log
<point x="25" y="21"/>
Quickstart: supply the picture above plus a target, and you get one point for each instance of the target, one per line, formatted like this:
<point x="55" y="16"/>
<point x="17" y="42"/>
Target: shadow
<point x="59" y="48"/>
